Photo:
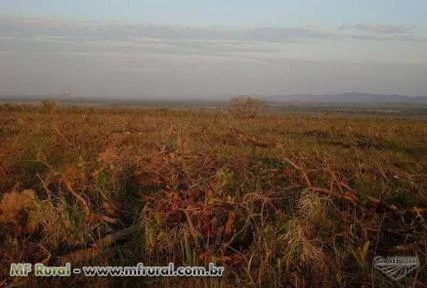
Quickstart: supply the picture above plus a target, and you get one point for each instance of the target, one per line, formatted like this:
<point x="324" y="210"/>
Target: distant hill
<point x="344" y="98"/>
<point x="353" y="97"/>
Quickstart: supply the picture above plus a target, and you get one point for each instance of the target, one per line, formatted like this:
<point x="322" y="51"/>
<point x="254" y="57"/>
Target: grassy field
<point x="280" y="200"/>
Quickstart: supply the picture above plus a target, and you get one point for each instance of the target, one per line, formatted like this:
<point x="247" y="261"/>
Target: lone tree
<point x="245" y="106"/>
<point x="49" y="105"/>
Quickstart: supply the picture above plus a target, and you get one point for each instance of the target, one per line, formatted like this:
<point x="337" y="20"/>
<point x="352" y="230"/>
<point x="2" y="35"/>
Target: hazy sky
<point x="188" y="48"/>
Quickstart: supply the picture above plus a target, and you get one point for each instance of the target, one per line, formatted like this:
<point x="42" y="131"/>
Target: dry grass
<point x="280" y="200"/>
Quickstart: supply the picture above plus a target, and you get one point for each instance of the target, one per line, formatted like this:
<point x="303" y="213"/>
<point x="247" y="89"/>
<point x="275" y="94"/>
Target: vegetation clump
<point x="245" y="106"/>
<point x="49" y="105"/>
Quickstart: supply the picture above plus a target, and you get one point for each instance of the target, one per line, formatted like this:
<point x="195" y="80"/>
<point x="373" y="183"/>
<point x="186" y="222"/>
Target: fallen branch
<point x="113" y="238"/>
<point x="351" y="196"/>
<point x="193" y="232"/>
<point x="307" y="180"/>
<point x="84" y="255"/>
<point x="83" y="202"/>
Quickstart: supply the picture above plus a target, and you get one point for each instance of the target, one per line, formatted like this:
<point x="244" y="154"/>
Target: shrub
<point x="49" y="105"/>
<point x="245" y="106"/>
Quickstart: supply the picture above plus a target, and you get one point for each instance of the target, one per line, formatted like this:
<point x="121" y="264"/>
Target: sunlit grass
<point x="299" y="200"/>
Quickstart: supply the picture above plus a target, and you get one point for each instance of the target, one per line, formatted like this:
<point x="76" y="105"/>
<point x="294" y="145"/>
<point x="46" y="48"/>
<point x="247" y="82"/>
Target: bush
<point x="245" y="106"/>
<point x="49" y="105"/>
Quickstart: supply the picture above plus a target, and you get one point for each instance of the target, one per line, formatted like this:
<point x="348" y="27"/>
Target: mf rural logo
<point x="396" y="267"/>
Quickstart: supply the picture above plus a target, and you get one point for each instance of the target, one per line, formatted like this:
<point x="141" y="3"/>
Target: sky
<point x="212" y="49"/>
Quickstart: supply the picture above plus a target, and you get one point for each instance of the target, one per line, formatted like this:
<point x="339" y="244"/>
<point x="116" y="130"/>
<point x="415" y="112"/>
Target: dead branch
<point x="84" y="255"/>
<point x="193" y="232"/>
<point x="307" y="180"/>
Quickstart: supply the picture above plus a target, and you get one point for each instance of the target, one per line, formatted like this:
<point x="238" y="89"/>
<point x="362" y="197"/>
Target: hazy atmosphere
<point x="195" y="49"/>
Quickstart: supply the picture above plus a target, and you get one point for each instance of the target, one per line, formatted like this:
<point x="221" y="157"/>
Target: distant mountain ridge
<point x="343" y="98"/>
<point x="352" y="97"/>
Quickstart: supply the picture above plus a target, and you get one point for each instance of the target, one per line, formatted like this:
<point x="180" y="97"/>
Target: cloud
<point x="29" y="27"/>
<point x="73" y="30"/>
<point x="379" y="28"/>
<point x="113" y="58"/>
<point x="53" y="36"/>
<point x="27" y="35"/>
